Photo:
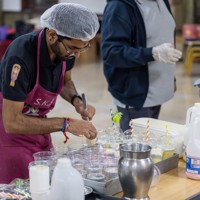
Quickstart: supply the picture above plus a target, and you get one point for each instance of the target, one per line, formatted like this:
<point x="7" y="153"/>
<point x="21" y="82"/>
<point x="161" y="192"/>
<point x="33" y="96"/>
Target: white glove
<point x="166" y="53"/>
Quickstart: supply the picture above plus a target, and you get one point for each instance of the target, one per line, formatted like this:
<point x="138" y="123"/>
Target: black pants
<point x="132" y="113"/>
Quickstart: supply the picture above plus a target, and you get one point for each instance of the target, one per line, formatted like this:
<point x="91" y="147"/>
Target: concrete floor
<point x="88" y="78"/>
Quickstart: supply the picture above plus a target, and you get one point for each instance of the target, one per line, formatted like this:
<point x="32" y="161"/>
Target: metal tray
<point x="113" y="186"/>
<point x="110" y="187"/>
<point x="168" y="164"/>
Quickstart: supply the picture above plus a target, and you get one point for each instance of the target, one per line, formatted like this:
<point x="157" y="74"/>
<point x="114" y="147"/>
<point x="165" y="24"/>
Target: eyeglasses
<point x="73" y="50"/>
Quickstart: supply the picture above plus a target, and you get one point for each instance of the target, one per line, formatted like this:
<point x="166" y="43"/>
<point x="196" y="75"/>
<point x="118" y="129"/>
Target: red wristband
<point x="64" y="129"/>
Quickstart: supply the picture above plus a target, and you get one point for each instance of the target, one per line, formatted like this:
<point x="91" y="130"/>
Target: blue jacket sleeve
<point x="119" y="48"/>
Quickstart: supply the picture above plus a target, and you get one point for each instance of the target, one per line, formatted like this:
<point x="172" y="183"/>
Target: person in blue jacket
<point x="139" y="57"/>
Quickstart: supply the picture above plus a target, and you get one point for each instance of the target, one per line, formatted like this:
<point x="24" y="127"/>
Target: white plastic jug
<point x="67" y="182"/>
<point x="193" y="150"/>
<point x="192" y="112"/>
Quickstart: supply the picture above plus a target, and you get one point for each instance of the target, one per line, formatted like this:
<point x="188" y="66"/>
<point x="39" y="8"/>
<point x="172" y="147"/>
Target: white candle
<point x="39" y="178"/>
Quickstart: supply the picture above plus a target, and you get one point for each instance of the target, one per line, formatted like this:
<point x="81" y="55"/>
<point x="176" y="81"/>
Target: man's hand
<point x="86" y="113"/>
<point x="82" y="127"/>
<point x="166" y="53"/>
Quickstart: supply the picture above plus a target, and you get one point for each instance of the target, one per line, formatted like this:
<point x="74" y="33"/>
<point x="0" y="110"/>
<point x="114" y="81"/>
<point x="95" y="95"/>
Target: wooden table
<point x="174" y="185"/>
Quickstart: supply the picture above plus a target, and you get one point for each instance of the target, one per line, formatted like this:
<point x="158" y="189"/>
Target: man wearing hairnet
<point x="35" y="69"/>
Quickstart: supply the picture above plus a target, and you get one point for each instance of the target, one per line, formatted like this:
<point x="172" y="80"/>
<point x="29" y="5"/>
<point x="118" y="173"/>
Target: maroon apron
<point x="16" y="150"/>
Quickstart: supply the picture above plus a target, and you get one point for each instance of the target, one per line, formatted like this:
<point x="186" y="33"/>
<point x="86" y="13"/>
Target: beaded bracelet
<point x="64" y="129"/>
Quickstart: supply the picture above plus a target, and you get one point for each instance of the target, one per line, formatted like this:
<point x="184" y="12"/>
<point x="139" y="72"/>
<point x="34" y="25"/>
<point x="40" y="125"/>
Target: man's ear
<point x="52" y="35"/>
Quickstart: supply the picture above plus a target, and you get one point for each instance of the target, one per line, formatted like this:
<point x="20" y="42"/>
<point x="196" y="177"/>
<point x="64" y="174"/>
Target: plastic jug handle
<point x="189" y="115"/>
<point x="195" y="129"/>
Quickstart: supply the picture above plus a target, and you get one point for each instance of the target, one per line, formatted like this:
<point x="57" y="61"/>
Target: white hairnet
<point x="71" y="20"/>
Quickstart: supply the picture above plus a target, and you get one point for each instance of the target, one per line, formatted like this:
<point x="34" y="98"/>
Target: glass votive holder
<point x="128" y="136"/>
<point x="93" y="149"/>
<point x="77" y="146"/>
<point x="73" y="153"/>
<point x="111" y="172"/>
<point x="79" y="165"/>
<point x="92" y="158"/>
<point x="168" y="151"/>
<point x="111" y="161"/>
<point x="168" y="145"/>
<point x="109" y="152"/>
<point x="94" y="168"/>
<point x="111" y="167"/>
<point x="96" y="176"/>
<point x="156" y="154"/>
<point x="44" y="155"/>
<point x="60" y="151"/>
<point x="49" y="157"/>
<point x="156" y="176"/>
<point x="91" y="154"/>
<point x="140" y="137"/>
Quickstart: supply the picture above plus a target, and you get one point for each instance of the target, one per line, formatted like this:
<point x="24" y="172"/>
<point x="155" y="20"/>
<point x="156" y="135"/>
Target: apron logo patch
<point x="14" y="74"/>
<point x="29" y="110"/>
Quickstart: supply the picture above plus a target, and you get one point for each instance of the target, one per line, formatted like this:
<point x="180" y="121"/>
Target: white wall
<point x="95" y="5"/>
<point x="10" y="5"/>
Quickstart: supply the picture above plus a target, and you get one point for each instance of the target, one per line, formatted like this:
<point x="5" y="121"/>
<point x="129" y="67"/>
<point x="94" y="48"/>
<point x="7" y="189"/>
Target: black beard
<point x="54" y="47"/>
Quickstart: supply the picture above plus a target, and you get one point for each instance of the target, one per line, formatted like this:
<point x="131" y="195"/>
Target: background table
<point x="174" y="185"/>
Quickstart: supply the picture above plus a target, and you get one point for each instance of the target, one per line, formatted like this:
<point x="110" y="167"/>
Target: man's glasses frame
<point x="70" y="50"/>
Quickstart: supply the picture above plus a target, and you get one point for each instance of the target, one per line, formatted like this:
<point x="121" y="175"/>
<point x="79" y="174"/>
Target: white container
<point x="40" y="196"/>
<point x="39" y="180"/>
<point x="67" y="182"/>
<point x="192" y="112"/>
<point x="158" y="127"/>
<point x="193" y="150"/>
